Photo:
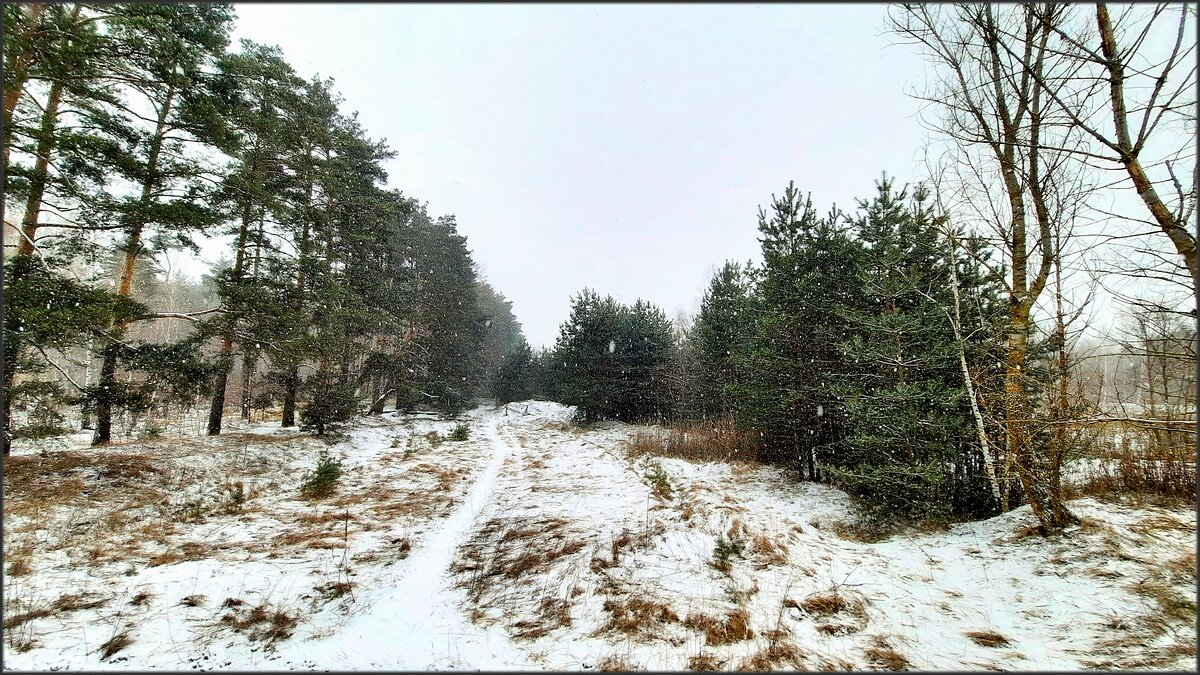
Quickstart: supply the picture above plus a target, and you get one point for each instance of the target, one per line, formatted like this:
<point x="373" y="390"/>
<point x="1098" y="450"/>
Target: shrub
<point x="237" y="495"/>
<point x="725" y="550"/>
<point x="332" y="404"/>
<point x="320" y="481"/>
<point x="660" y="482"/>
<point x="461" y="432"/>
<point x="150" y="431"/>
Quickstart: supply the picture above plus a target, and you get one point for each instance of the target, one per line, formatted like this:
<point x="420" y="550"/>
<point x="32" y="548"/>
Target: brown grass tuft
<point x="73" y="602"/>
<point x="987" y="638"/>
<point x="704" y="663"/>
<point x="261" y="623"/>
<point x="615" y="664"/>
<point x="884" y="657"/>
<point x="734" y="628"/>
<point x="189" y="550"/>
<point x="766" y="552"/>
<point x="824" y="603"/>
<point x="334" y="589"/>
<point x="18" y="566"/>
<point x="193" y="601"/>
<point x="115" y="644"/>
<point x="778" y="653"/>
<point x="636" y="616"/>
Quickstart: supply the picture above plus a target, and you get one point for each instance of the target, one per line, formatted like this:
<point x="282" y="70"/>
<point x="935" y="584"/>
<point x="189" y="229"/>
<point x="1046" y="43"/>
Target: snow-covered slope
<point x="535" y="544"/>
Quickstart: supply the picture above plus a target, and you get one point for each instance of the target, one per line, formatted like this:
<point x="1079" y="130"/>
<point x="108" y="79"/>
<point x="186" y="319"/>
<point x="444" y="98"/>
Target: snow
<point x="514" y="550"/>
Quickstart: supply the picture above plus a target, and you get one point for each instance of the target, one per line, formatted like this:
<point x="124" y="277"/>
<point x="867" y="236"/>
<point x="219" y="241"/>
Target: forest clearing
<point x="537" y="544"/>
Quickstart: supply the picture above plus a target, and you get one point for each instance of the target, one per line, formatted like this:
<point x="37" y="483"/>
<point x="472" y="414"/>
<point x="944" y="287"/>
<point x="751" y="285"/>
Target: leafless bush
<point x="1153" y="470"/>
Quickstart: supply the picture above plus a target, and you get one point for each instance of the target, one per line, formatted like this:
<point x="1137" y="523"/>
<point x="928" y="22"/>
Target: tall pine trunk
<point x="216" y="410"/>
<point x="17" y="65"/>
<point x="41" y="171"/>
<point x="133" y="246"/>
<point x="249" y="359"/>
<point x="291" y="380"/>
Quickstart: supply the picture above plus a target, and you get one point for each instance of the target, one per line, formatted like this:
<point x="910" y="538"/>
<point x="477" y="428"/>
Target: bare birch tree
<point x="1011" y="172"/>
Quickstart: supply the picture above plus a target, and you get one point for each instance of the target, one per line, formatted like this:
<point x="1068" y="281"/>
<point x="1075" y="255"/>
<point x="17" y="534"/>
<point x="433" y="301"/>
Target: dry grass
<point x="260" y="623"/>
<point x="552" y="613"/>
<point x="882" y="656"/>
<point x="778" y="653"/>
<point x="115" y="644"/>
<point x="36" y="482"/>
<point x="14" y="620"/>
<point x="1173" y="607"/>
<point x="418" y="503"/>
<point x="193" y="601"/>
<point x="310" y="539"/>
<point x="640" y="617"/>
<point x="334" y="590"/>
<point x="18" y="565"/>
<point x="825" y="606"/>
<point x="767" y="552"/>
<point x="837" y="628"/>
<point x="1182" y="568"/>
<point x="698" y="442"/>
<point x="326" y="517"/>
<point x="189" y="550"/>
<point x="615" y="664"/>
<point x="705" y="663"/>
<point x="734" y="628"/>
<point x="1166" y="471"/>
<point x="987" y="638"/>
<point x="824" y="603"/>
<point x="141" y="598"/>
<point x="73" y="602"/>
<point x="69" y="602"/>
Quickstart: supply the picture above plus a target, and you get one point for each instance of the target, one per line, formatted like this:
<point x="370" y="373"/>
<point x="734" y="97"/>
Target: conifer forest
<point x="266" y="409"/>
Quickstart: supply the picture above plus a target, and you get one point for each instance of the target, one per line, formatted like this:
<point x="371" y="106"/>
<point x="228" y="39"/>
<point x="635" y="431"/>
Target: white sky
<point x="621" y="147"/>
<point x="625" y="148"/>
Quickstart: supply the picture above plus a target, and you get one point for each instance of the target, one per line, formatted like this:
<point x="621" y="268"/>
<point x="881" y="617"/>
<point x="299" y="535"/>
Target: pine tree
<point x="514" y="380"/>
<point x="256" y="89"/>
<point x="502" y="333"/>
<point x="45" y="312"/>
<point x="807" y="278"/>
<point x="909" y="427"/>
<point x="449" y="326"/>
<point x="612" y="361"/>
<point x="721" y="328"/>
<point x="172" y="46"/>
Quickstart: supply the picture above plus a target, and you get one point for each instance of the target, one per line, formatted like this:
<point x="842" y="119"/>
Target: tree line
<point x="135" y="129"/>
<point x="841" y="354"/>
<point x="924" y="353"/>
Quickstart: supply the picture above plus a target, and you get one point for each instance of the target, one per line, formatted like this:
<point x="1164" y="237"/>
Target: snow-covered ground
<point x="538" y="545"/>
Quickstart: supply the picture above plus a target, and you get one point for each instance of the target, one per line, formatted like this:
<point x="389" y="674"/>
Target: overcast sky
<point x="624" y="148"/>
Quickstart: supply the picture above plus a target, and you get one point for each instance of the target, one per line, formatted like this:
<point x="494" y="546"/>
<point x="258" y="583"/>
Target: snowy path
<point x="417" y="624"/>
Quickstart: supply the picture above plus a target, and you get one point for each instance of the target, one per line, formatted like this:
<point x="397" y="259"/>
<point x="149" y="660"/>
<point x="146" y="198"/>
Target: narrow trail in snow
<point x="417" y="624"/>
